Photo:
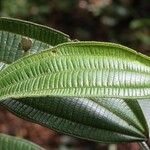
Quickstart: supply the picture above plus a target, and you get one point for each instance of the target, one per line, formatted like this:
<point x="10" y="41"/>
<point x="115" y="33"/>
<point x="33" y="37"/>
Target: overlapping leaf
<point x="85" y="69"/>
<point x="18" y="38"/>
<point x="102" y="120"/>
<point x="13" y="143"/>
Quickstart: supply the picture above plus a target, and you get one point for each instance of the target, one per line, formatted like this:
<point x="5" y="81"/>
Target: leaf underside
<point x="84" y="69"/>
<point x="11" y="47"/>
<point x="13" y="143"/>
<point x="12" y="31"/>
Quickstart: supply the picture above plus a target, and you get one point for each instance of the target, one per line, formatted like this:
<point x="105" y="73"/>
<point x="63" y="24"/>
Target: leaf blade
<point x="82" y="117"/>
<point x="33" y="30"/>
<point x="19" y="38"/>
<point x="9" y="143"/>
<point x="82" y="69"/>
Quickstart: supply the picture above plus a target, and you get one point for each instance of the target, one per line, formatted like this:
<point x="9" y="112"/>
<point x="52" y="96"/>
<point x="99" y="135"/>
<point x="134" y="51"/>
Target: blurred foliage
<point x="120" y="21"/>
<point x="141" y="28"/>
<point x="12" y="7"/>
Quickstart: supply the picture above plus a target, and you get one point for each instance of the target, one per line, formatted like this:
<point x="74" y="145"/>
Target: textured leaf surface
<point x="13" y="143"/>
<point x="145" y="106"/>
<point x="18" y="38"/>
<point x="84" y="69"/>
<point x="102" y="120"/>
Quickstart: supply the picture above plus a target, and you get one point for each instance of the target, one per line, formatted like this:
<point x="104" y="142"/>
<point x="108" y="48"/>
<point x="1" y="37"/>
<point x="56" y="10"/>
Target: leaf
<point x="19" y="38"/>
<point x="13" y="143"/>
<point x="145" y="106"/>
<point x="102" y="120"/>
<point x="82" y="69"/>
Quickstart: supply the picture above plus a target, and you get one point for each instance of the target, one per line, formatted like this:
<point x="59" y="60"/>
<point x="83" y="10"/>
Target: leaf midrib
<point x="38" y="61"/>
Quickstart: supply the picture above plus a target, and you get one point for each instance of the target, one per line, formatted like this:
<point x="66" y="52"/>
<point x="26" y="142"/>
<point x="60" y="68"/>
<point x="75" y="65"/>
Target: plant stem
<point x="144" y="146"/>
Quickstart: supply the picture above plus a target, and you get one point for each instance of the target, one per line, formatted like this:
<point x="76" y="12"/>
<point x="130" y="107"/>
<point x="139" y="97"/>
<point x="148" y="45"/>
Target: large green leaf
<point x="103" y="120"/>
<point x="13" y="143"/>
<point x="97" y="119"/>
<point x="84" y="69"/>
<point x="15" y="42"/>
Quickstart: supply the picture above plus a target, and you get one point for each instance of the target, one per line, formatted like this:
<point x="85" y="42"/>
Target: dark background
<point x="120" y="21"/>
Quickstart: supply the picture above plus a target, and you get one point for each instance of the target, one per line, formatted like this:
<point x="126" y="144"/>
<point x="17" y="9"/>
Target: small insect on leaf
<point x="26" y="43"/>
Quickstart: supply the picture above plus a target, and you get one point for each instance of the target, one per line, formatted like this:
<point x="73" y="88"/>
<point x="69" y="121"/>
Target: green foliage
<point x="84" y="69"/>
<point x="84" y="89"/>
<point x="140" y="23"/>
<point x="13" y="143"/>
<point x="98" y="119"/>
<point x="141" y="30"/>
<point x="12" y="40"/>
<point x="11" y="8"/>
